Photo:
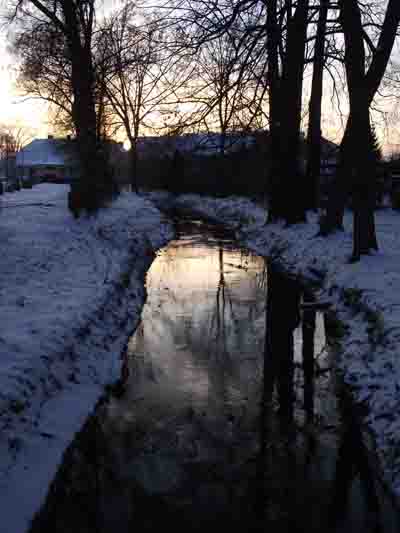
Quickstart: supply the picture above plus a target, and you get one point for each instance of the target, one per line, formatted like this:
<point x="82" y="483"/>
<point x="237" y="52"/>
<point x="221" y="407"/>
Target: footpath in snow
<point x="364" y="296"/>
<point x="71" y="293"/>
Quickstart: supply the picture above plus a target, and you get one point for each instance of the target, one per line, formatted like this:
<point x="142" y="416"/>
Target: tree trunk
<point x="274" y="189"/>
<point x="95" y="180"/>
<point x="314" y="125"/>
<point x="356" y="144"/>
<point x="339" y="189"/>
<point x="357" y="147"/>
<point x="92" y="179"/>
<point x="285" y="108"/>
<point x="134" y="165"/>
<point x="363" y="189"/>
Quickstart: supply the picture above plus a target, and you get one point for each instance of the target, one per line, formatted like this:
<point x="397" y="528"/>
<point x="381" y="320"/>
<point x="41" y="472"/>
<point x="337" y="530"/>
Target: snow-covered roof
<point x="55" y="152"/>
<point x="43" y="152"/>
<point x="205" y="144"/>
<point x="208" y="144"/>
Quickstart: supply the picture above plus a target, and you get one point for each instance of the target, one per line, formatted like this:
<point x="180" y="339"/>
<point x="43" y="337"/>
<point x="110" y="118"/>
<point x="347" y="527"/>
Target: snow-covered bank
<point x="67" y="287"/>
<point x="365" y="297"/>
<point x="71" y="292"/>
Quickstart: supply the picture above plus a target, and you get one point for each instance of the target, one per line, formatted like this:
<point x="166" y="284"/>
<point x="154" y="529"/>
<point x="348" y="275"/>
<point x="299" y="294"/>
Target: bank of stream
<point x="225" y="416"/>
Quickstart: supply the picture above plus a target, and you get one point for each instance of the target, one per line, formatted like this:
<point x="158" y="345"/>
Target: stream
<point x="197" y="434"/>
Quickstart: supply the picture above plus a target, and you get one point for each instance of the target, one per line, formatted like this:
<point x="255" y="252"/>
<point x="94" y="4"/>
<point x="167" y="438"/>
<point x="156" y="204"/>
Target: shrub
<point x="395" y="199"/>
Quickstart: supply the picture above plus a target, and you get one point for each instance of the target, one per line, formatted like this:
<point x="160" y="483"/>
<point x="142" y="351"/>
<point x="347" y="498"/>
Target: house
<point x="47" y="160"/>
<point x="55" y="160"/>
<point x="198" y="144"/>
<point x="211" y="144"/>
<point x="7" y="165"/>
<point x="235" y="163"/>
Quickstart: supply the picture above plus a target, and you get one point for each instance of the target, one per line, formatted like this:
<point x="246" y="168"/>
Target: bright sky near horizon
<point x="14" y="109"/>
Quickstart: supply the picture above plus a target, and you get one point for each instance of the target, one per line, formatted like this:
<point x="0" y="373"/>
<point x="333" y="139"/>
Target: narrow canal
<point x="190" y="439"/>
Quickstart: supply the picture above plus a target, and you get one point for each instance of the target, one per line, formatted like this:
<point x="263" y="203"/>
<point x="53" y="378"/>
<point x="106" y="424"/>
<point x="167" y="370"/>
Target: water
<point x="180" y="445"/>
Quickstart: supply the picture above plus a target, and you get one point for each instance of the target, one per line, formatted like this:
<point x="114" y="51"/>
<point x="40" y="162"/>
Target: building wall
<point x="42" y="173"/>
<point x="8" y="167"/>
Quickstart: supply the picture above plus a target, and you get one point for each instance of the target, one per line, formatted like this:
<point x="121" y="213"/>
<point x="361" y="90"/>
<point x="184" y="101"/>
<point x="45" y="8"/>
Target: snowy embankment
<point x="71" y="293"/>
<point x="365" y="297"/>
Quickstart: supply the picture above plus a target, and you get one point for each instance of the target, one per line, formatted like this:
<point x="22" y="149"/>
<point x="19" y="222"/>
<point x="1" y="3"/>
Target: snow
<point x="201" y="144"/>
<point x="364" y="296"/>
<point x="71" y="293"/>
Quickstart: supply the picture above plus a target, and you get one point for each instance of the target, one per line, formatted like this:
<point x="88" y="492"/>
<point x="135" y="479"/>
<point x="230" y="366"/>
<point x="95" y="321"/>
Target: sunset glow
<point x="15" y="109"/>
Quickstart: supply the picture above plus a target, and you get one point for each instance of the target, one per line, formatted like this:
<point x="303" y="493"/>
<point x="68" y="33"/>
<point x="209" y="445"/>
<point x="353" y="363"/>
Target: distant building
<point x="55" y="160"/>
<point x="47" y="160"/>
<point x="7" y="165"/>
<point x="209" y="144"/>
<point x="200" y="144"/>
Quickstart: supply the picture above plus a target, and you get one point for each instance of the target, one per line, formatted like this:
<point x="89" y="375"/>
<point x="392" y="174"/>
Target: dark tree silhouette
<point x="74" y="20"/>
<point x="285" y="98"/>
<point x="356" y="172"/>
<point x="315" y="104"/>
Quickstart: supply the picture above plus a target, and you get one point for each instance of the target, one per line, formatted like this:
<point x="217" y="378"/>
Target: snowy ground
<point x="365" y="297"/>
<point x="66" y="288"/>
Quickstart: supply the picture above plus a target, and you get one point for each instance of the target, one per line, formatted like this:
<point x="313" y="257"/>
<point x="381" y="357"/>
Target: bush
<point x="27" y="184"/>
<point x="242" y="172"/>
<point x="395" y="199"/>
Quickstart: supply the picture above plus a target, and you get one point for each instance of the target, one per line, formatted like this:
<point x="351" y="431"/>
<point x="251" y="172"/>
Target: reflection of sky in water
<point x="201" y="337"/>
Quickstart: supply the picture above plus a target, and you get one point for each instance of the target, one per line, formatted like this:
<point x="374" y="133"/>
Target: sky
<point x="18" y="110"/>
<point x="14" y="109"/>
<point x="32" y="114"/>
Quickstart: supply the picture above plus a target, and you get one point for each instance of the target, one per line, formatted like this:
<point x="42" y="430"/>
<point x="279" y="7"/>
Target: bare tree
<point x="45" y="69"/>
<point x="74" y="20"/>
<point x="13" y="137"/>
<point x="364" y="76"/>
<point x="45" y="74"/>
<point x="142" y="75"/>
<point x="315" y="107"/>
<point x="286" y="41"/>
<point x="281" y="29"/>
<point x="228" y="95"/>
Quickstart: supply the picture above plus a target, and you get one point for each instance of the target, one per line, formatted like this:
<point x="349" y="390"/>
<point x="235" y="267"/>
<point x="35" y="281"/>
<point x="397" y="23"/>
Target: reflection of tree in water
<point x="352" y="463"/>
<point x="211" y="322"/>
<point x="230" y="309"/>
<point x="232" y="329"/>
<point x="291" y="475"/>
<point x="222" y="321"/>
<point x="218" y="319"/>
<point x="88" y="494"/>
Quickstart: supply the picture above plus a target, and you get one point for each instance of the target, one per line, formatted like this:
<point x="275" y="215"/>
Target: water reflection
<point x="193" y="441"/>
<point x="202" y="328"/>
